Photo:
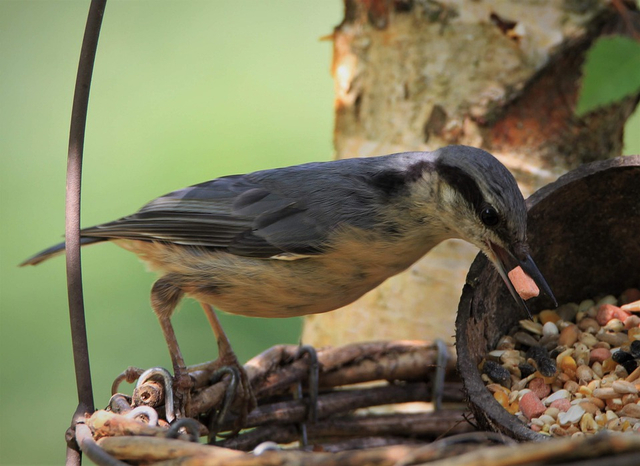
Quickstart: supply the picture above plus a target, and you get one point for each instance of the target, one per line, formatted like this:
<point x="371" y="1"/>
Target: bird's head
<point x="480" y="200"/>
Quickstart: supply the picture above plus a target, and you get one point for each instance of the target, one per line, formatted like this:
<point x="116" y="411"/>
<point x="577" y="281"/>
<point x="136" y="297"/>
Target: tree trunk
<point x="500" y="75"/>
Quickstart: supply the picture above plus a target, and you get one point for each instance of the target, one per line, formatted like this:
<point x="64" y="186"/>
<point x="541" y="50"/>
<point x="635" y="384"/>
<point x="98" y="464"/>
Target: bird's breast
<point x="355" y="263"/>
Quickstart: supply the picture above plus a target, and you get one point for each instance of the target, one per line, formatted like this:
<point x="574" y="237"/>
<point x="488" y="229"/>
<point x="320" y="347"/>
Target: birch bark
<point x="500" y="75"/>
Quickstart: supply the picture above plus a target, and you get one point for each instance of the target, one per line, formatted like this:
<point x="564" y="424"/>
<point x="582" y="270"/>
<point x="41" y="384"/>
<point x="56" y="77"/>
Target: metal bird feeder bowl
<point x="584" y="233"/>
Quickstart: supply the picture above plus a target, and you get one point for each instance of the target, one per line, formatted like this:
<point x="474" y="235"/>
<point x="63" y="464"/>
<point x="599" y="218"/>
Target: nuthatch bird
<point x="314" y="237"/>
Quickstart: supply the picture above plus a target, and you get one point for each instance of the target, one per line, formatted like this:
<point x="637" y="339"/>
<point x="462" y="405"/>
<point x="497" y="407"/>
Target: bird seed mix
<point x="574" y="370"/>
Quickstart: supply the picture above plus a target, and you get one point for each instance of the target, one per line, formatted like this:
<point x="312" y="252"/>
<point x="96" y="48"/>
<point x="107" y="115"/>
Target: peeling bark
<point x="500" y="75"/>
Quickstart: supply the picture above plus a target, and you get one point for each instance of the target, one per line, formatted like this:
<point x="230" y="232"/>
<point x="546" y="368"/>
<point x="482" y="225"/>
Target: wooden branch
<point x="569" y="450"/>
<point x="430" y="425"/>
<point x="148" y="449"/>
<point x="607" y="447"/>
<point x="408" y="364"/>
<point x="295" y="411"/>
<point x="275" y="371"/>
<point x="106" y="424"/>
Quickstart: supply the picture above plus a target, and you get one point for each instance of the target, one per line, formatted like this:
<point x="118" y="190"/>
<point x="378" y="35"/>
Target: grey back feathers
<point x="270" y="212"/>
<point x="296" y="209"/>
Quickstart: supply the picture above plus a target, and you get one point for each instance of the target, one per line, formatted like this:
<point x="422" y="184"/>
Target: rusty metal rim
<point x="478" y="396"/>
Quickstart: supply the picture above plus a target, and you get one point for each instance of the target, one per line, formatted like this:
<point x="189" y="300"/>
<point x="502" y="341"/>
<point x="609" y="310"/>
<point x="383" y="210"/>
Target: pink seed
<point x="599" y="355"/>
<point x="562" y="404"/>
<point x="606" y="312"/>
<point x="523" y="283"/>
<point x="540" y="388"/>
<point x="531" y="406"/>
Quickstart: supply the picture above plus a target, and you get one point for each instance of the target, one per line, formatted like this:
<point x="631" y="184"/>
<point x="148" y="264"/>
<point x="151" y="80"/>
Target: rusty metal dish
<point x="584" y="232"/>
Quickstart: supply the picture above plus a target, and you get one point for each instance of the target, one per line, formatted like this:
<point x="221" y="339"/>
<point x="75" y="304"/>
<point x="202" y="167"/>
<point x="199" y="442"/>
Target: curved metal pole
<point x="72" y="230"/>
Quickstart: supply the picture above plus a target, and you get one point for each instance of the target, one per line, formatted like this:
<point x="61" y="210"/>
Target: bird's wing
<point x="263" y="214"/>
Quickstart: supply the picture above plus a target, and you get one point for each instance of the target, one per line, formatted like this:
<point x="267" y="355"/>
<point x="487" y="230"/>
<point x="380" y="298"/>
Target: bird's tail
<point x="58" y="249"/>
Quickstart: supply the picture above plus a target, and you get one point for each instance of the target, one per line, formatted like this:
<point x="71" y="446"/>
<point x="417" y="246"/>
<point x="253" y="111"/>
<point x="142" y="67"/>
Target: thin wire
<point x="72" y="223"/>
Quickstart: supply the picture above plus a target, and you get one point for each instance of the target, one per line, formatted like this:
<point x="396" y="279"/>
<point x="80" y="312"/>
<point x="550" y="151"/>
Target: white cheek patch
<point x="449" y="196"/>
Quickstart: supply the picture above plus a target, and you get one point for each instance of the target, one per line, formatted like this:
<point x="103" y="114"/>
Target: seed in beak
<point x="523" y="283"/>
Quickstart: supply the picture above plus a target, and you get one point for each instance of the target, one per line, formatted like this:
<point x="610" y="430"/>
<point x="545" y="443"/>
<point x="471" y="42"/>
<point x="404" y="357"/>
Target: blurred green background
<point x="183" y="92"/>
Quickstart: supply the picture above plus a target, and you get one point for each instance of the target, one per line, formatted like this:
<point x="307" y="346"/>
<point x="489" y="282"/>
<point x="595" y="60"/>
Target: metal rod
<point x="72" y="224"/>
<point x="92" y="449"/>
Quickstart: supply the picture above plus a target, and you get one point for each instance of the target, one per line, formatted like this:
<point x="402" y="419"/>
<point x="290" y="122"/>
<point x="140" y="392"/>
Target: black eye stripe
<point x="464" y="184"/>
<point x="459" y="180"/>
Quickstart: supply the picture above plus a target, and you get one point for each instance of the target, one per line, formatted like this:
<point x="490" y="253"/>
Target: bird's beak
<point x="505" y="261"/>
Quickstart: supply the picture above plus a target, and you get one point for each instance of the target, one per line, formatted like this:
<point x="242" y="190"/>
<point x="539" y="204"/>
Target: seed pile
<point x="572" y="371"/>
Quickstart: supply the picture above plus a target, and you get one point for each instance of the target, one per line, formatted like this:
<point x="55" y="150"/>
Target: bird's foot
<point x="182" y="386"/>
<point x="246" y="398"/>
<point x="239" y="396"/>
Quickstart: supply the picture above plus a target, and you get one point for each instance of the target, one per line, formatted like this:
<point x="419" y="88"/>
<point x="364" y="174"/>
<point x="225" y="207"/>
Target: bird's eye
<point x="489" y="216"/>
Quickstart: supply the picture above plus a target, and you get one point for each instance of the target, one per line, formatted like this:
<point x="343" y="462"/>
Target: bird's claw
<point x="238" y="394"/>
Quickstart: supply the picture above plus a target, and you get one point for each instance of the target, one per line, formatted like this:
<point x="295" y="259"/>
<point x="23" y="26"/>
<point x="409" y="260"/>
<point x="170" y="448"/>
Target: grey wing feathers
<point x="202" y="215"/>
<point x="55" y="250"/>
<point x="266" y="213"/>
<point x="262" y="214"/>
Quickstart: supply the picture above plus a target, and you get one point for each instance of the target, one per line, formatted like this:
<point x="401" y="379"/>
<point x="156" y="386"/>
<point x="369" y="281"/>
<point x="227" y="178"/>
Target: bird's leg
<point x="164" y="298"/>
<point x="226" y="357"/>
<point x="172" y="343"/>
